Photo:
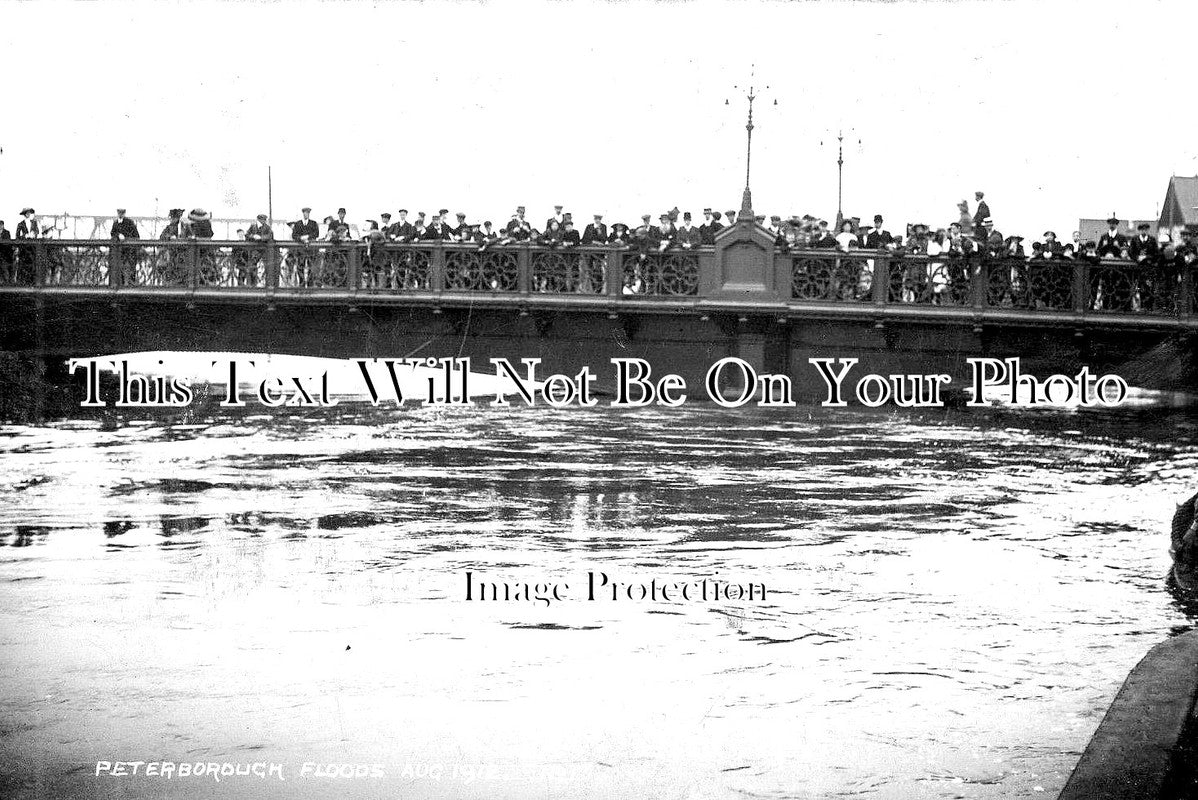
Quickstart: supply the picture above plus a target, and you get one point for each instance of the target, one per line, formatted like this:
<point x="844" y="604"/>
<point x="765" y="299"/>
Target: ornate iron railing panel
<point x="315" y="267"/>
<point x="1132" y="288"/>
<point x="1035" y="285"/>
<point x="76" y="264"/>
<point x="569" y="272"/>
<point x="833" y="277"/>
<point x="215" y="266"/>
<point x="481" y="271"/>
<point x="397" y="268"/>
<point x="664" y="274"/>
<point x="928" y="281"/>
<point x="164" y="264"/>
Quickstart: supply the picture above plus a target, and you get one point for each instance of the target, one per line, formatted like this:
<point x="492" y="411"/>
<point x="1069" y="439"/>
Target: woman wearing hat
<point x="27" y="228"/>
<point x="619" y="235"/>
<point x="199" y="224"/>
<point x="175" y="227"/>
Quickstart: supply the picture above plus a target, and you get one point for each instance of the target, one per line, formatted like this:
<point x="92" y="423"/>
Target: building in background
<point x="1180" y="209"/>
<point x="1093" y="229"/>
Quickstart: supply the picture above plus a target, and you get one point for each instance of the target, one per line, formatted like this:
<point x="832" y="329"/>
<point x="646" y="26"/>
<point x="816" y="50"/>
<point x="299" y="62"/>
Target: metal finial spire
<point x="746" y="205"/>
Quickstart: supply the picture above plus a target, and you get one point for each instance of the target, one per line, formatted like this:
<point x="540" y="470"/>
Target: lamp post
<point x="840" y="175"/>
<point x="746" y="202"/>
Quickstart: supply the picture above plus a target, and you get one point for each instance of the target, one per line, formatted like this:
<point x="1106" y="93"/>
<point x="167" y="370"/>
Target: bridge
<point x="679" y="309"/>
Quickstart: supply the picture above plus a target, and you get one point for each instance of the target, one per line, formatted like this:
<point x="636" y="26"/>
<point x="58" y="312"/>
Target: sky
<point x="1057" y="110"/>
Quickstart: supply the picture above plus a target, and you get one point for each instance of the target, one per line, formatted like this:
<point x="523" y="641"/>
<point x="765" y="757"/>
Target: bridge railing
<point x="1107" y="286"/>
<point x="352" y="267"/>
<point x="621" y="274"/>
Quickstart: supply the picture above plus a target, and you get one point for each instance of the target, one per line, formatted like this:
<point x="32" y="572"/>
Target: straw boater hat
<point x="199" y="215"/>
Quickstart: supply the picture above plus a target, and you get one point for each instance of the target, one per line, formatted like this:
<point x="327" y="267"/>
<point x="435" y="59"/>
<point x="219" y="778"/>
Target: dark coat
<point x="125" y="227"/>
<point x="689" y="238"/>
<point x="1147" y="248"/>
<point x="311" y="229"/>
<point x="200" y="230"/>
<point x="401" y="231"/>
<point x="980" y="214"/>
<point x="595" y="233"/>
<point x="876" y="240"/>
<point x="708" y="231"/>
<point x="437" y="231"/>
<point x="1111" y="244"/>
<point x="571" y="238"/>
<point x="27" y="230"/>
<point x="260" y="229"/>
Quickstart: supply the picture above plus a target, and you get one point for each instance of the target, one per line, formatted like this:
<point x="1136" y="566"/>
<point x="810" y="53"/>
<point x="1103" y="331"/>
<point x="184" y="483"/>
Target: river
<point x="952" y="600"/>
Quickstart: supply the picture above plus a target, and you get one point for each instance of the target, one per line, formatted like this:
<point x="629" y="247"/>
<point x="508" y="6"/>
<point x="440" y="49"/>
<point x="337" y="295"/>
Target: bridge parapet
<point x="745" y="269"/>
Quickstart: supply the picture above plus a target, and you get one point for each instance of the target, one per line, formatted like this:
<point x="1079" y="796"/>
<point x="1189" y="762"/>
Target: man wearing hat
<point x="1143" y="247"/>
<point x="462" y="232"/>
<point x="259" y="230"/>
<point x="124" y="228"/>
<point x="877" y="238"/>
<point x="667" y="234"/>
<point x="1052" y="248"/>
<point x="557" y="217"/>
<point x="305" y="231"/>
<point x="982" y="211"/>
<point x="512" y="232"/>
<point x="1111" y="244"/>
<point x="983" y="233"/>
<point x="595" y="233"/>
<point x="730" y="216"/>
<point x="486" y="237"/>
<point x="516" y="222"/>
<point x="823" y="238"/>
<point x="646" y="236"/>
<point x="247" y="267"/>
<point x="688" y="237"/>
<point x="438" y="230"/>
<point x="705" y="229"/>
<point x="570" y="237"/>
<point x="401" y="231"/>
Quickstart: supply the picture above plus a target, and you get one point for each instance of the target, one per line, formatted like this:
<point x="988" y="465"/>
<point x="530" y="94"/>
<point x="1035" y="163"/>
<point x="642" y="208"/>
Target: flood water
<point x="953" y="600"/>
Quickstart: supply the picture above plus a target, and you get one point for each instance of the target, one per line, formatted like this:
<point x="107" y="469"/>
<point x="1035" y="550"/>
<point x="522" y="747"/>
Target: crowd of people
<point x="970" y="235"/>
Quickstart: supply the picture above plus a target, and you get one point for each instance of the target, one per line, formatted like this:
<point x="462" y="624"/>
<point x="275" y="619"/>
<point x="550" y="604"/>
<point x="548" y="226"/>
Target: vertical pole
<point x="270" y="205"/>
<point x="839" y="180"/>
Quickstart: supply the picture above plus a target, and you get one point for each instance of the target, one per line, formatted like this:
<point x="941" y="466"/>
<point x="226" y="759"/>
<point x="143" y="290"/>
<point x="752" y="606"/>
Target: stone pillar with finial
<point x="744" y="266"/>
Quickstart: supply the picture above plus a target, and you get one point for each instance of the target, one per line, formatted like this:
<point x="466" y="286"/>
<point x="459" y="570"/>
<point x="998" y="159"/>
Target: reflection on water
<point x="953" y="600"/>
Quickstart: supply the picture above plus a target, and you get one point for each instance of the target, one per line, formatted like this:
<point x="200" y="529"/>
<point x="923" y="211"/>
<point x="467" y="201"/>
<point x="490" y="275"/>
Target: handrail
<point x="815" y="277"/>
